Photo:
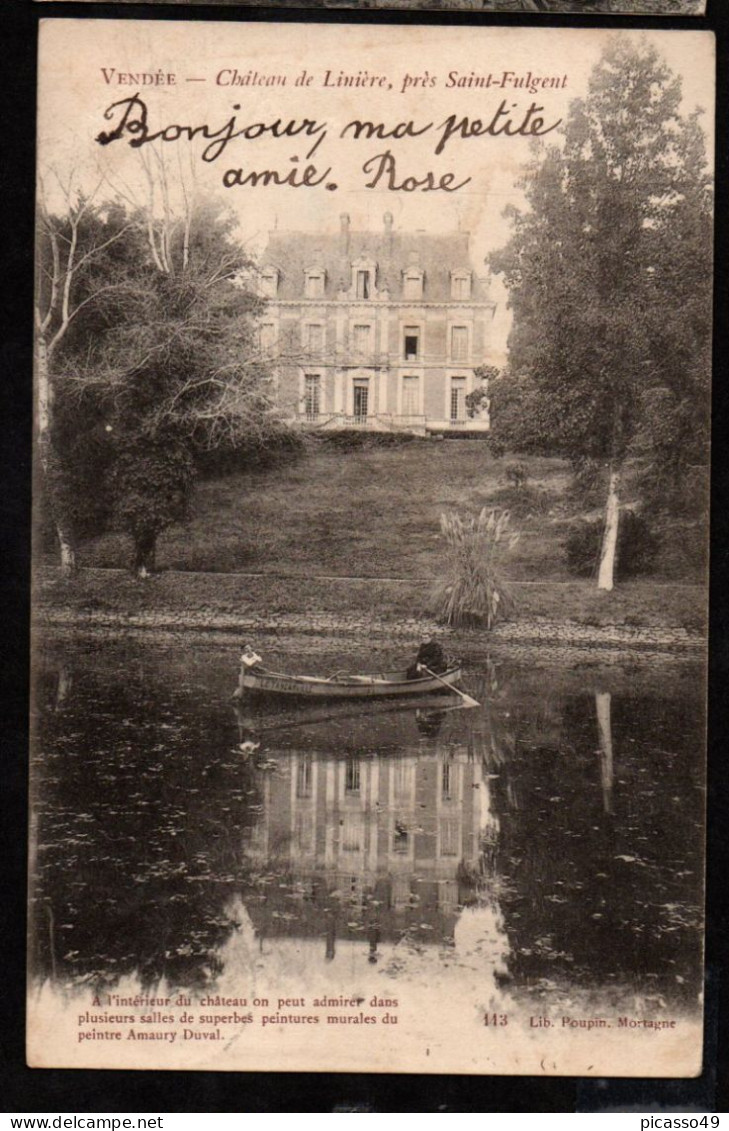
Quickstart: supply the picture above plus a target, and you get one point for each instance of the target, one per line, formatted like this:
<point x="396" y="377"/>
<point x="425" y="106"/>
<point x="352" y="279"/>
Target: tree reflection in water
<point x="139" y="810"/>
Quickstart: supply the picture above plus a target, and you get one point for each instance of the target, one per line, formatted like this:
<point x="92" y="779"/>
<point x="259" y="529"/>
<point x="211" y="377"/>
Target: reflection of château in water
<point x="389" y="841"/>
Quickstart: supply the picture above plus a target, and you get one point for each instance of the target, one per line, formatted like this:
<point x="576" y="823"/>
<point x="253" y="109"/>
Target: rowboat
<point x="342" y="685"/>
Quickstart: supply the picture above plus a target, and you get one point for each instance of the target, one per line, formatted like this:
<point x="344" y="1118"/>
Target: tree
<point x="178" y="372"/>
<point x="479" y="400"/>
<point x="70" y="248"/>
<point x="168" y="361"/>
<point x="608" y="272"/>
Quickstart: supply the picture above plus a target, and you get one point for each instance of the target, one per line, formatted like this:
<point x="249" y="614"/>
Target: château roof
<point x="437" y="256"/>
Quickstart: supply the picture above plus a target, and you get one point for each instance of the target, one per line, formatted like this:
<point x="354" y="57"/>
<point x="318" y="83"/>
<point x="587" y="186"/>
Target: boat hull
<point x="385" y="686"/>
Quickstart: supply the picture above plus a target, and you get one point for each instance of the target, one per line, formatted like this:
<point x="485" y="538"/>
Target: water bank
<point x="638" y="617"/>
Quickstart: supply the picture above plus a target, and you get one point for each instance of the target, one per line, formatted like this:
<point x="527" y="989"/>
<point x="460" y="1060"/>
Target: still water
<point x="549" y="841"/>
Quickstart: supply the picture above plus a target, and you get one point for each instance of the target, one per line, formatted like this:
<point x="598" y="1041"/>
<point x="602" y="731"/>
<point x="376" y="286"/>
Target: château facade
<point x="379" y="331"/>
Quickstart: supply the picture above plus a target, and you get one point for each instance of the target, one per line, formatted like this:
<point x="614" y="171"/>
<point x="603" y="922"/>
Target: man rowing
<point x="431" y="656"/>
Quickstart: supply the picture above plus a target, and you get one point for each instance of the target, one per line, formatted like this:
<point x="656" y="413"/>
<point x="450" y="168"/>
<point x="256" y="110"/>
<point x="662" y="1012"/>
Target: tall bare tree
<point x="70" y="241"/>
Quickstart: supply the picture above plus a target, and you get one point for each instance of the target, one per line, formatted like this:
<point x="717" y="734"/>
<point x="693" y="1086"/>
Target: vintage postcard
<point x="372" y="397"/>
<point x="534" y="7"/>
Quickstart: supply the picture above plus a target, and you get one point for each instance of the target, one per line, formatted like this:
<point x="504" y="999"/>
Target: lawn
<point x="370" y="513"/>
<point x="355" y="534"/>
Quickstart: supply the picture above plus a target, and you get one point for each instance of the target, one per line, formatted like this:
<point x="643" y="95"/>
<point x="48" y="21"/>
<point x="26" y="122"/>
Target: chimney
<point x="344" y="231"/>
<point x="387" y="220"/>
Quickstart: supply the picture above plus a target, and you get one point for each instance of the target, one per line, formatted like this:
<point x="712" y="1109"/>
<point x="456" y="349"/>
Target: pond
<point x="540" y="854"/>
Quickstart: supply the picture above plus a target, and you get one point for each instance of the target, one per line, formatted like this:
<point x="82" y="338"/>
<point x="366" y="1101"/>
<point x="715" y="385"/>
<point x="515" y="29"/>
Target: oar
<point x="469" y="702"/>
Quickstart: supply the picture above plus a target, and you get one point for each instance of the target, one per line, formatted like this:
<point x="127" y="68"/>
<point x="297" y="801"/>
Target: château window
<point x="461" y="285"/>
<point x="363" y="282"/>
<point x="312" y="396"/>
<point x="361" y="339"/>
<point x="458" y="399"/>
<point x="351" y="832"/>
<point x="400" y="888"/>
<point x="352" y="776"/>
<point x="459" y="343"/>
<point x="410" y="396"/>
<point x="360" y="399"/>
<point x="314" y="286"/>
<point x="401" y="837"/>
<point x="303" y="776"/>
<point x="411" y="344"/>
<point x="304" y="832"/>
<point x="266" y="335"/>
<point x="413" y="284"/>
<point x="314" y="337"/>
<point x="450" y="837"/>
<point x="269" y="282"/>
<point x="403" y="781"/>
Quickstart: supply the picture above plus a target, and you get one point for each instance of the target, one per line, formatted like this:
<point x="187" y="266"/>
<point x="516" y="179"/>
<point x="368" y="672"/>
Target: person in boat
<point x="430" y="655"/>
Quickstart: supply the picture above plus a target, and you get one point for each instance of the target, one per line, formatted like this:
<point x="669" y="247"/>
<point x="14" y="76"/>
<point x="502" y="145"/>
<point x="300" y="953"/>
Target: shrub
<point x="590" y="481"/>
<point x="684" y="551"/>
<point x="471" y="591"/>
<point x="476" y="402"/>
<point x="350" y="439"/>
<point x="517" y="475"/>
<point x="522" y="502"/>
<point x="638" y="545"/>
<point x="636" y="550"/>
<point x="252" y="457"/>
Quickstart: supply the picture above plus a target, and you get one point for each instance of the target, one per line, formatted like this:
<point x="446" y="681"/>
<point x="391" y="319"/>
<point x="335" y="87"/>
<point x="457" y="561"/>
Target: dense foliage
<point x="636" y="552"/>
<point x="157" y="365"/>
<point x="609" y="275"/>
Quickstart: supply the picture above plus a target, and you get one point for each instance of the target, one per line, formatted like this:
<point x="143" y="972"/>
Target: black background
<point x="56" y="1090"/>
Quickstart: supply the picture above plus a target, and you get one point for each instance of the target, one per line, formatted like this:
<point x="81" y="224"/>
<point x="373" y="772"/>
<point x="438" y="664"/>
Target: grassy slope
<point x="369" y="513"/>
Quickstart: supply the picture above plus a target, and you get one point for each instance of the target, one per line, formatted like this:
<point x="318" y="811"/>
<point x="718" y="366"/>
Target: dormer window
<point x="363" y="280"/>
<point x="412" y="286"/>
<point x="461" y="285"/>
<point x="269" y="282"/>
<point x="314" y="283"/>
<point x="363" y="284"/>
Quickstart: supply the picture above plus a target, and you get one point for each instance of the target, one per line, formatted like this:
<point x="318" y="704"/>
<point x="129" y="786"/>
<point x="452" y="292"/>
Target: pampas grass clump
<point x="471" y="591"/>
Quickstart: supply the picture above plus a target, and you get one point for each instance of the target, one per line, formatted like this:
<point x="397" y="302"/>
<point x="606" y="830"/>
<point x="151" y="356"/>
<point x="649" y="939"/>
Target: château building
<point x="381" y="330"/>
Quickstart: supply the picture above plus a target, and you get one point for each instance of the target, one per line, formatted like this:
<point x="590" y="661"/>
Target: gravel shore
<point x="622" y="638"/>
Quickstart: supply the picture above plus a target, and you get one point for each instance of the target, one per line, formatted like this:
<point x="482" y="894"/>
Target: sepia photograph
<point x="371" y="501"/>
